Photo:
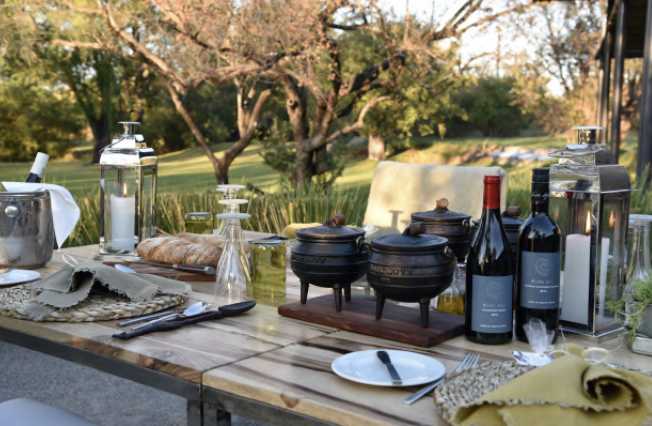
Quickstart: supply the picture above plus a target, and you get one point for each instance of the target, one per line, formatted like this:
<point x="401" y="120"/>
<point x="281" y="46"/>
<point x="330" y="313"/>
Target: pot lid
<point x="511" y="219"/>
<point x="332" y="229"/>
<point x="441" y="215"/>
<point x="413" y="239"/>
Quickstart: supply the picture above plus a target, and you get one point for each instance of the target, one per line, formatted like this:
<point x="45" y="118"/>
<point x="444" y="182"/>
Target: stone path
<point x="97" y="396"/>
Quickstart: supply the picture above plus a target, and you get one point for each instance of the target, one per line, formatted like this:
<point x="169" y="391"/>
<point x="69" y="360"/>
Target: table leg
<point x="193" y="413"/>
<point x="213" y="416"/>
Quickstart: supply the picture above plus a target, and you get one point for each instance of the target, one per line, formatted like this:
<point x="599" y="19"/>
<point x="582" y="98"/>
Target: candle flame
<point x="556" y="214"/>
<point x="611" y="219"/>
<point x="124" y="189"/>
<point x="588" y="222"/>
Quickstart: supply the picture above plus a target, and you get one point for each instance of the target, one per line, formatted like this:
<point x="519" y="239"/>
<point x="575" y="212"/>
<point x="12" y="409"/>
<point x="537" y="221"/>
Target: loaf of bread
<point x="174" y="250"/>
<point x="190" y="249"/>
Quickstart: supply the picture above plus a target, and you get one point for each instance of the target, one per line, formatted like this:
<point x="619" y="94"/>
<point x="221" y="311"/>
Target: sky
<point x="473" y="42"/>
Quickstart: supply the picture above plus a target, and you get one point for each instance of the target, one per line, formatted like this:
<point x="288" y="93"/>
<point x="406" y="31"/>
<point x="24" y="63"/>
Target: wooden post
<point x="619" y="70"/>
<point x="604" y="86"/>
<point x="645" y="130"/>
<point x="376" y="148"/>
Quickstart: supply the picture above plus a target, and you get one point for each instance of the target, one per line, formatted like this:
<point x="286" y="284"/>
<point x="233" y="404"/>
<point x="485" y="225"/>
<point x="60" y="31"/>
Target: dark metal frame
<point x="645" y="131"/>
<point x="205" y="406"/>
<point x="619" y="71"/>
<point x="186" y="389"/>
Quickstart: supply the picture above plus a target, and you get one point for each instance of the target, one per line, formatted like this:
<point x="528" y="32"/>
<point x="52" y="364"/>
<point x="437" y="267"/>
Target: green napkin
<point x="568" y="391"/>
<point x="71" y="286"/>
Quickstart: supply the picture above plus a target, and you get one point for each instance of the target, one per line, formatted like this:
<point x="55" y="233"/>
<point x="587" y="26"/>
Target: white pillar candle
<point x="575" y="293"/>
<point x="604" y="257"/>
<point x="123" y="212"/>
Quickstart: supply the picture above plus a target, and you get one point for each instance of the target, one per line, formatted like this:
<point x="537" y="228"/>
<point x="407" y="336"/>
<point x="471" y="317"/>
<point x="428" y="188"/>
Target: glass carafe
<point x="451" y="301"/>
<point x="232" y="273"/>
<point x="638" y="266"/>
<point x="230" y="193"/>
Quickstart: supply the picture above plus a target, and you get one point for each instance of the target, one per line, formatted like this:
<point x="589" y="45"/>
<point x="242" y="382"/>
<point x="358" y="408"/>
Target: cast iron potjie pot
<point x="410" y="267"/>
<point x="330" y="255"/>
<point x="511" y="222"/>
<point x="453" y="226"/>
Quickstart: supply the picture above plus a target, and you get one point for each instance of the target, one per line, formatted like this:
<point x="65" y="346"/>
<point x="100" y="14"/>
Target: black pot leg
<point x="425" y="312"/>
<point x="347" y="293"/>
<point x="337" y="292"/>
<point x="380" y="304"/>
<point x="304" y="292"/>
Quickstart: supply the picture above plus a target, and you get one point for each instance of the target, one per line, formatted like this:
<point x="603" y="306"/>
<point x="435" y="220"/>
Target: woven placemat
<point x="14" y="302"/>
<point x="475" y="382"/>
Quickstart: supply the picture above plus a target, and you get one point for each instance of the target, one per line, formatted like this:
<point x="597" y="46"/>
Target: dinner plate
<point x="365" y="367"/>
<point x="17" y="276"/>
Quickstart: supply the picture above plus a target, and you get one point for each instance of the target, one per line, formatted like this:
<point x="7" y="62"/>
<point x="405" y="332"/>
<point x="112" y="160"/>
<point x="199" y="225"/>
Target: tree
<point x="256" y="44"/>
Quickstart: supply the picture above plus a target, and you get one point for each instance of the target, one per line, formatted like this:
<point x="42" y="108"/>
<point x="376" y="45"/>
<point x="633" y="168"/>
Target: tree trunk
<point x="101" y="135"/>
<point x="376" y="148"/>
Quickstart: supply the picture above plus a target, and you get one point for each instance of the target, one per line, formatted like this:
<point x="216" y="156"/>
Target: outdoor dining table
<point x="259" y="365"/>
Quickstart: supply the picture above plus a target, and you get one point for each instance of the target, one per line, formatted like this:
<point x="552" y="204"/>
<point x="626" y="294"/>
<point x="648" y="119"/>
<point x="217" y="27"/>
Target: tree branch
<point x="357" y="126"/>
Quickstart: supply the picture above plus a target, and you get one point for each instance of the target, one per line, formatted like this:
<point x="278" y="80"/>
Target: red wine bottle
<point x="490" y="275"/>
<point x="36" y="173"/>
<point x="539" y="262"/>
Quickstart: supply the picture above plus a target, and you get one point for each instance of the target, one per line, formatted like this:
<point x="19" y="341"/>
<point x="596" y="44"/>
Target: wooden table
<point x="258" y="365"/>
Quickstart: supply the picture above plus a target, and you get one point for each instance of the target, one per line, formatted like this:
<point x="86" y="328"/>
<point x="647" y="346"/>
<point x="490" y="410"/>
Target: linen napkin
<point x="70" y="286"/>
<point x="291" y="229"/>
<point x="65" y="212"/>
<point x="568" y="391"/>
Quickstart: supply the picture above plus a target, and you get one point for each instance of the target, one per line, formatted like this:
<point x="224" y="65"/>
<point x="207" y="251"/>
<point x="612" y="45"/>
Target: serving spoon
<point x="195" y="309"/>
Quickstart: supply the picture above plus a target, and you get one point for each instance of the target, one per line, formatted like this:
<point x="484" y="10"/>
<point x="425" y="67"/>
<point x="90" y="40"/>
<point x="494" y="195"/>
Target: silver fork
<point x="470" y="360"/>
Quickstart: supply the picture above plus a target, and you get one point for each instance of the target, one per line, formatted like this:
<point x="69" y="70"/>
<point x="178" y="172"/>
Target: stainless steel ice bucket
<point x="26" y="230"/>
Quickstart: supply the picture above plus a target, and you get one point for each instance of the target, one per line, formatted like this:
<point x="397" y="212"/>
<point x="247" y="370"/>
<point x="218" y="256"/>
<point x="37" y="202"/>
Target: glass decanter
<point x="232" y="274"/>
<point x="451" y="301"/>
<point x="638" y="267"/>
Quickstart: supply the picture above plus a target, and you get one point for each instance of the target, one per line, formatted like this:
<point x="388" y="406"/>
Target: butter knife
<point x="384" y="358"/>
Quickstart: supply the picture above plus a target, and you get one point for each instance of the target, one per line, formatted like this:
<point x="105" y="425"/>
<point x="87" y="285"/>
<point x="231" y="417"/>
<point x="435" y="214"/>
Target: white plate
<point x="365" y="367"/>
<point x="18" y="276"/>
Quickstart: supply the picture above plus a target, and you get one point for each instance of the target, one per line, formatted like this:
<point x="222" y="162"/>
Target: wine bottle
<point x="490" y="275"/>
<point x="539" y="262"/>
<point x="36" y="173"/>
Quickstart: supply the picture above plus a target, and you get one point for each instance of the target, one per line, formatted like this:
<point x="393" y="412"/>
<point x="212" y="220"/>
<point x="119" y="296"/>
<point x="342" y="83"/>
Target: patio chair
<point x="399" y="189"/>
<point x="27" y="412"/>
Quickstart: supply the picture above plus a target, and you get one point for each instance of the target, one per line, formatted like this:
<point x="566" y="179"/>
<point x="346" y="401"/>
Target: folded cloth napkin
<point x="65" y="212"/>
<point x="70" y="286"/>
<point x="568" y="391"/>
<point x="291" y="229"/>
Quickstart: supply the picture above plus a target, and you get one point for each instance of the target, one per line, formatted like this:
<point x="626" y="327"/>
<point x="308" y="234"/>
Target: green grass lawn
<point x="190" y="171"/>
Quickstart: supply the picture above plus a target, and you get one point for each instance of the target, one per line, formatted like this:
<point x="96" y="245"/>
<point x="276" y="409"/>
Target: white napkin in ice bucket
<point x="65" y="212"/>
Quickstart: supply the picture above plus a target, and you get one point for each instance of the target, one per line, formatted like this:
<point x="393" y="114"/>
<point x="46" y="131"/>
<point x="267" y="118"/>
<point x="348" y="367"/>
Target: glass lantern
<point x="128" y="193"/>
<point x="589" y="200"/>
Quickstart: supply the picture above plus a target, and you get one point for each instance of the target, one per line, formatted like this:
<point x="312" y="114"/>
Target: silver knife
<point x="384" y="358"/>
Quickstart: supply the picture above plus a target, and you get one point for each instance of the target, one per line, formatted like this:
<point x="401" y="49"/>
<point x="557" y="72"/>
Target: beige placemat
<point x="14" y="303"/>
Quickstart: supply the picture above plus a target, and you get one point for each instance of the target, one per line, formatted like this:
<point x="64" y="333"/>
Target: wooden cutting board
<point x="399" y="323"/>
<point x="142" y="268"/>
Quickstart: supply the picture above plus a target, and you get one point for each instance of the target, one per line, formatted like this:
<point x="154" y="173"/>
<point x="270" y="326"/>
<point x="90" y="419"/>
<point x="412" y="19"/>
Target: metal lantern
<point x="128" y="193"/>
<point x="589" y="199"/>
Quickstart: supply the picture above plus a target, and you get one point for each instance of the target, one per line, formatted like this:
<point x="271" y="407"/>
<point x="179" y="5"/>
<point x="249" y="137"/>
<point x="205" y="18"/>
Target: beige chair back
<point x="399" y="189"/>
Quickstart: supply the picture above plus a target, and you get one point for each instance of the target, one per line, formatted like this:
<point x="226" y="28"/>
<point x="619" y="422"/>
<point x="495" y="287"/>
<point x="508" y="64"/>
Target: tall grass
<point x="269" y="212"/>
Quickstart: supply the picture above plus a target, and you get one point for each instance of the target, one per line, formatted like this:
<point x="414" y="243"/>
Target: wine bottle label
<point x="492" y="304"/>
<point x="540" y="280"/>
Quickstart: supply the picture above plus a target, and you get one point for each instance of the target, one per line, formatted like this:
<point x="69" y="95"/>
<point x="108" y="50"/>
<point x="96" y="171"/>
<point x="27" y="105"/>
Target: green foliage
<point x="35" y="114"/>
<point x="491" y="107"/>
<point x="632" y="305"/>
<point x="280" y="154"/>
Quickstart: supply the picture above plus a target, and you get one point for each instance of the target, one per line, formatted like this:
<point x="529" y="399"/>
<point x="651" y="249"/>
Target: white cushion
<point x="26" y="412"/>
<point x="399" y="189"/>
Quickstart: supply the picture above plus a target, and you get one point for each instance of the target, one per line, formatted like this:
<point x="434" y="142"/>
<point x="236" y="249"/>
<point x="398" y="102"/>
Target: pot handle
<point x="360" y="242"/>
<point x="415" y="228"/>
<point x="336" y="219"/>
<point x="451" y="255"/>
<point x="466" y="224"/>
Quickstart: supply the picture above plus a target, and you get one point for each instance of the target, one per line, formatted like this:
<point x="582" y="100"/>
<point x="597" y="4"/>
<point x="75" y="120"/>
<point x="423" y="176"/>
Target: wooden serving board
<point x="142" y="268"/>
<point x="399" y="323"/>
